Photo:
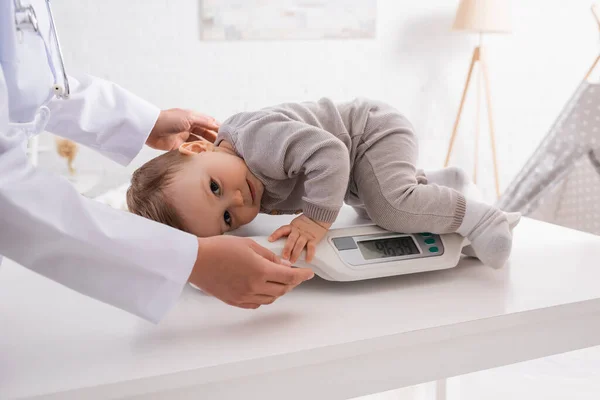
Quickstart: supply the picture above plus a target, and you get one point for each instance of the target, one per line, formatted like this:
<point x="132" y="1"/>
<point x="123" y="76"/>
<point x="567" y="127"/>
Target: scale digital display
<point x="387" y="247"/>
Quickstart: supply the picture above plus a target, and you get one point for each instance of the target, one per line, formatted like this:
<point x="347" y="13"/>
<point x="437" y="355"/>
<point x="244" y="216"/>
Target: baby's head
<point x="200" y="188"/>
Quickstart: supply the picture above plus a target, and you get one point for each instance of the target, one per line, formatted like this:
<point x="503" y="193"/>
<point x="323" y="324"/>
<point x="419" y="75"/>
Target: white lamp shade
<point x="485" y="16"/>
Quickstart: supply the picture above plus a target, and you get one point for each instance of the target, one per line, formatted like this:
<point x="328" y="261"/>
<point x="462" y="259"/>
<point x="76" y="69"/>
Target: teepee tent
<point x="561" y="181"/>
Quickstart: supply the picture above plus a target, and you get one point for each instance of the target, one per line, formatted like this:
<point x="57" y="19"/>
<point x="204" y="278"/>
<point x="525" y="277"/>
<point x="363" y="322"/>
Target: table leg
<point x="440" y="389"/>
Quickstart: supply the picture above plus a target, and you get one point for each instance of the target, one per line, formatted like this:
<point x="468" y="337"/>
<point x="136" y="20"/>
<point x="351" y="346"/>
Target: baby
<point x="308" y="159"/>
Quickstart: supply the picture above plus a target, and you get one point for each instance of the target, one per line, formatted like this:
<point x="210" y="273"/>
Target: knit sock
<point x="454" y="178"/>
<point x="489" y="232"/>
<point x="513" y="220"/>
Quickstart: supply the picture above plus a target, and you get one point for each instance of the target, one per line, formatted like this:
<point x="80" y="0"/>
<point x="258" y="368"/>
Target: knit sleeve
<point x="277" y="147"/>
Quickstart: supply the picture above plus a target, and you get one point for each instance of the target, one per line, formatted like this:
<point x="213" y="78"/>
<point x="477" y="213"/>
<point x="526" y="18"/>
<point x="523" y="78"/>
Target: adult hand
<point x="241" y="273"/>
<point x="175" y="126"/>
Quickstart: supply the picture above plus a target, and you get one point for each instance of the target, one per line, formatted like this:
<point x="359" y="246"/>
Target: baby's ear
<point x="191" y="148"/>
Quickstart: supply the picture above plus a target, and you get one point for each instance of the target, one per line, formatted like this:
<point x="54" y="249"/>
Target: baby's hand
<point x="301" y="232"/>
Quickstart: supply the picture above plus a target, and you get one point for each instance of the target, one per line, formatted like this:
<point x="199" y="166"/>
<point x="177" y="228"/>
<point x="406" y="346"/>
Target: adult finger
<point x="280" y="232"/>
<point x="298" y="248"/>
<point x="273" y="289"/>
<point x="251" y="306"/>
<point x="202" y="133"/>
<point x="277" y="270"/>
<point x="209" y="134"/>
<point x="268" y="254"/>
<point x="198" y="120"/>
<point x="260" y="299"/>
<point x="212" y="134"/>
<point x="277" y="273"/>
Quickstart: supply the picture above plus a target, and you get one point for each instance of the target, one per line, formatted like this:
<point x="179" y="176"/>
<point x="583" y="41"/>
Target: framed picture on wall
<point x="287" y="19"/>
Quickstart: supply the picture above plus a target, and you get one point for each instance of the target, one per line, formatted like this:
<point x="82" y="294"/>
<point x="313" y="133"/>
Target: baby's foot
<point x="513" y="219"/>
<point x="489" y="232"/>
<point x="491" y="240"/>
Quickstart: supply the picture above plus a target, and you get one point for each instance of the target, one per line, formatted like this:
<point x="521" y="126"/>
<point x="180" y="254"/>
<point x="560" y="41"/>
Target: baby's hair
<point x="146" y="195"/>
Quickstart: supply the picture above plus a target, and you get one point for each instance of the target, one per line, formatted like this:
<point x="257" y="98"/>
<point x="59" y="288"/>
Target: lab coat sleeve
<point x="119" y="258"/>
<point x="103" y="116"/>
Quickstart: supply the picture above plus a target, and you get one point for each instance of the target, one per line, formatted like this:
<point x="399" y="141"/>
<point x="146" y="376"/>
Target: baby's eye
<point x="227" y="218"/>
<point x="214" y="187"/>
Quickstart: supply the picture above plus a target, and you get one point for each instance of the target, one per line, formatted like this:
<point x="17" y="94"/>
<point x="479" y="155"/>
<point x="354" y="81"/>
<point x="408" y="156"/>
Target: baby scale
<point x="356" y="249"/>
<point x="367" y="251"/>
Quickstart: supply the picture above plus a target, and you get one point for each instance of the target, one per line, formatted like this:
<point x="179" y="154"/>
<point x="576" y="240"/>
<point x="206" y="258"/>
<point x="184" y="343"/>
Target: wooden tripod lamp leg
<point x="491" y="122"/>
<point x="474" y="59"/>
<point x="477" y="124"/>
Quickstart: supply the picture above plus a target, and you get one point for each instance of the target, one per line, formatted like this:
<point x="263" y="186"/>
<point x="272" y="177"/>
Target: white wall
<point x="152" y="47"/>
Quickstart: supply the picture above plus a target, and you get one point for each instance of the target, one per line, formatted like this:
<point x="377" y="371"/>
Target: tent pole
<point x="587" y="76"/>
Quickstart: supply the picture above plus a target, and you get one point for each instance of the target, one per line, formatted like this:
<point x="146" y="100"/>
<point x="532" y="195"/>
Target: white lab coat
<point x="45" y="225"/>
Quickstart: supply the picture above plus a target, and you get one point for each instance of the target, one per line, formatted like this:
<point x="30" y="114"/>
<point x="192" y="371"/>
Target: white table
<point x="324" y="340"/>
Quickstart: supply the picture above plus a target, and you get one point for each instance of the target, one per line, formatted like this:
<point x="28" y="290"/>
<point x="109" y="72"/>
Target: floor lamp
<point x="480" y="16"/>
